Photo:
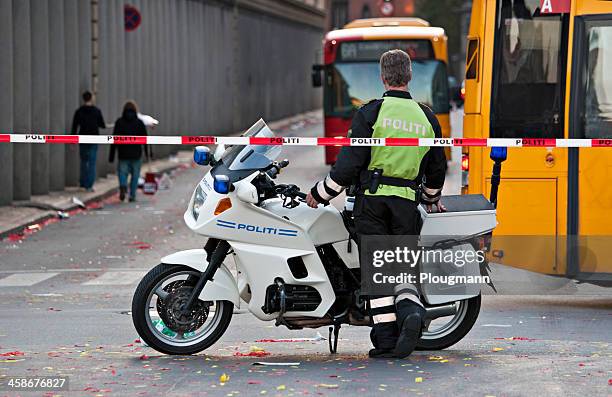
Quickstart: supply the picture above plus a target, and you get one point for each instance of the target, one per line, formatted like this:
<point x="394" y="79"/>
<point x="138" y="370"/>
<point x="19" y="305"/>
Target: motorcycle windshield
<point x="252" y="157"/>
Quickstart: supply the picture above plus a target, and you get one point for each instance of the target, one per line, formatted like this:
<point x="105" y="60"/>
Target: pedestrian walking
<point x="87" y="120"/>
<point x="130" y="156"/>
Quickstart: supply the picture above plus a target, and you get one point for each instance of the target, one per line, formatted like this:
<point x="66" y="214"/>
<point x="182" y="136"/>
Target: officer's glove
<point x="428" y="198"/>
<point x="315" y="194"/>
<point x="431" y="197"/>
<point x="325" y="190"/>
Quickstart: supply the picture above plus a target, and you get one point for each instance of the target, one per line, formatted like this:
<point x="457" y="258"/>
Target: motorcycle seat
<point x="466" y="202"/>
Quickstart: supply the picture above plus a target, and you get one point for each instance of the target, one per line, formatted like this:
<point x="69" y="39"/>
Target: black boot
<point x="410" y="317"/>
<point x="122" y="191"/>
<point x="383" y="337"/>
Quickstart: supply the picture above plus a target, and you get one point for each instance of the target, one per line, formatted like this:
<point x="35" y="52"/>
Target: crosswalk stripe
<point x="25" y="279"/>
<point x="116" y="278"/>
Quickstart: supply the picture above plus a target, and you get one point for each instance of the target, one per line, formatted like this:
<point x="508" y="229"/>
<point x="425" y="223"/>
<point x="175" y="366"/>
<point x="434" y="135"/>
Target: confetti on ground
<point x="516" y="338"/>
<point x="141" y="245"/>
<point x="498" y="349"/>
<point x="418" y="379"/>
<point x="327" y="386"/>
<point x="252" y="354"/>
<point x="317" y="338"/>
<point x="280" y="387"/>
<point x="12" y="354"/>
<point x="224" y="378"/>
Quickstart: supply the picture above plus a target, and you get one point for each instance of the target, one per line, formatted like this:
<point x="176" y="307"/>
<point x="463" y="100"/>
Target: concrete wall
<point x="200" y="67"/>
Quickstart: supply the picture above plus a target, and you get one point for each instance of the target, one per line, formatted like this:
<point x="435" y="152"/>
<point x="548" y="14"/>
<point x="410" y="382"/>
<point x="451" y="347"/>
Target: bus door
<point x="527" y="101"/>
<point x="590" y="169"/>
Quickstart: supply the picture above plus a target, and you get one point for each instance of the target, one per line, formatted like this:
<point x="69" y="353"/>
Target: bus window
<point x="353" y="84"/>
<point x="598" y="93"/>
<point x="528" y="79"/>
<point x="471" y="71"/>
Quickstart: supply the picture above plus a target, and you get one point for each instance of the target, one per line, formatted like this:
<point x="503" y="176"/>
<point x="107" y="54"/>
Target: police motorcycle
<point x="294" y="265"/>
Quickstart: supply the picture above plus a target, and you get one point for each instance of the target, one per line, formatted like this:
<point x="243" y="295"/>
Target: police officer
<point x="387" y="181"/>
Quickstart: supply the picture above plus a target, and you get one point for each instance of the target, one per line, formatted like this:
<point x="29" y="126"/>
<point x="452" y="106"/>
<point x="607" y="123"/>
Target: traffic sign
<point x="132" y="18"/>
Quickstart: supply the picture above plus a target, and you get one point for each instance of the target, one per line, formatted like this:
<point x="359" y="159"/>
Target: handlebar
<point x="272" y="190"/>
<point x="290" y="191"/>
<point x="276" y="168"/>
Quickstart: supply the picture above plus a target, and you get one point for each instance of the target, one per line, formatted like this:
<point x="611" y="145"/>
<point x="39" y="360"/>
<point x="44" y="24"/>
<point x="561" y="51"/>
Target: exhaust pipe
<point x="440" y="311"/>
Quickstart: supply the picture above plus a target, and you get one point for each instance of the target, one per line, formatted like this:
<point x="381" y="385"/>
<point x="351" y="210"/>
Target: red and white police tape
<point x="302" y="141"/>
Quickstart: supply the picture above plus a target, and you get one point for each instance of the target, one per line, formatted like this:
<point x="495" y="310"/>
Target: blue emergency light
<point x="498" y="153"/>
<point x="201" y="155"/>
<point x="222" y="184"/>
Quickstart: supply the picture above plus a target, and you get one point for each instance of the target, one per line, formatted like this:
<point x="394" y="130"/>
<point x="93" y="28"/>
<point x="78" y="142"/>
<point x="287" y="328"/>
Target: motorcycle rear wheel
<point x="453" y="330"/>
<point x="216" y="315"/>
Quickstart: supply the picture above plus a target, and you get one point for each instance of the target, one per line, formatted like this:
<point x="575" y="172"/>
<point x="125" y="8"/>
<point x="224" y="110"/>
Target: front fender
<point x="221" y="287"/>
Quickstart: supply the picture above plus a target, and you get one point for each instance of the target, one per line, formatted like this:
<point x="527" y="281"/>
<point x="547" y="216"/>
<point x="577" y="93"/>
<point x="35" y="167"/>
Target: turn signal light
<point x="465" y="162"/>
<point x="223" y="205"/>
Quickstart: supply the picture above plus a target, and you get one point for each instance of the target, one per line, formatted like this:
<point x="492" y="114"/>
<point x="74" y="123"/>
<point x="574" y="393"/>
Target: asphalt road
<point x="65" y="295"/>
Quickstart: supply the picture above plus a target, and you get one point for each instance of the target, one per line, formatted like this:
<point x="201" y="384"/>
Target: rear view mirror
<point x="219" y="152"/>
<point x="317" y="75"/>
<point x="498" y="154"/>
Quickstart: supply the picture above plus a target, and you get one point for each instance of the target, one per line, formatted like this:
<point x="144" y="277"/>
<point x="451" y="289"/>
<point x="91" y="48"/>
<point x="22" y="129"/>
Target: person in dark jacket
<point x="130" y="156"/>
<point x="87" y="120"/>
<point x="387" y="180"/>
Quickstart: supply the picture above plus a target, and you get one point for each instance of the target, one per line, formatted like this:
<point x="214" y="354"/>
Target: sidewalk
<point x="20" y="215"/>
<point x="16" y="218"/>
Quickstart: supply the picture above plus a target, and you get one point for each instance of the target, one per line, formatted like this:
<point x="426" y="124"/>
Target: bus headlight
<point x="198" y="201"/>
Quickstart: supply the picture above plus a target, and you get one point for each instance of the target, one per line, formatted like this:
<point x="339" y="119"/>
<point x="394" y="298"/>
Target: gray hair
<point x="396" y="68"/>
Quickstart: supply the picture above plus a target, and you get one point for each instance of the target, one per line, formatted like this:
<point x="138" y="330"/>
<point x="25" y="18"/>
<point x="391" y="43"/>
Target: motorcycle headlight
<point x="198" y="201"/>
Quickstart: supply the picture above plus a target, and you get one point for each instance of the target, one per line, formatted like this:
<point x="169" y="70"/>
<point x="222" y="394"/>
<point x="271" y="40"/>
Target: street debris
<point x="78" y="202"/>
<point x="165" y="182"/>
<point x="63" y="215"/>
<point x="224" y="378"/>
<point x="254" y="351"/>
<point x="12" y="354"/>
<point x="50" y="294"/>
<point x="141" y="245"/>
<point x="317" y="338"/>
<point x="271" y="364"/>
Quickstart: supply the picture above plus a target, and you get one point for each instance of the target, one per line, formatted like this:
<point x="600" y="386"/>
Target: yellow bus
<point x="541" y="69"/>
<point x="350" y="75"/>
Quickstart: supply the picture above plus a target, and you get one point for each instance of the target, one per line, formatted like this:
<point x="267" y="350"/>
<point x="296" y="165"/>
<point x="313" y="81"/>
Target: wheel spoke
<point x="161" y="293"/>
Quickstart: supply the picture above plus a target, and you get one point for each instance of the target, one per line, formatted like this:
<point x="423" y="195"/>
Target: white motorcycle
<point x="294" y="264"/>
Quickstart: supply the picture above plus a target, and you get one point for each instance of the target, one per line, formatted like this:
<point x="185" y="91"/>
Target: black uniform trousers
<point x="385" y="215"/>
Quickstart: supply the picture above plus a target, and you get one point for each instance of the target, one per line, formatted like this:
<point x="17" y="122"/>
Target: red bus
<point x="350" y="75"/>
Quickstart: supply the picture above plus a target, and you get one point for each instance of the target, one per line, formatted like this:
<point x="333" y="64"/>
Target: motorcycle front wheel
<point x="444" y="332"/>
<point x="161" y="324"/>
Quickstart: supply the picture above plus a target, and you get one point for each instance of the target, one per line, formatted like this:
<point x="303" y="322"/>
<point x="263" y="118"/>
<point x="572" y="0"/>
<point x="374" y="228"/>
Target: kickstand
<point x="333" y="345"/>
